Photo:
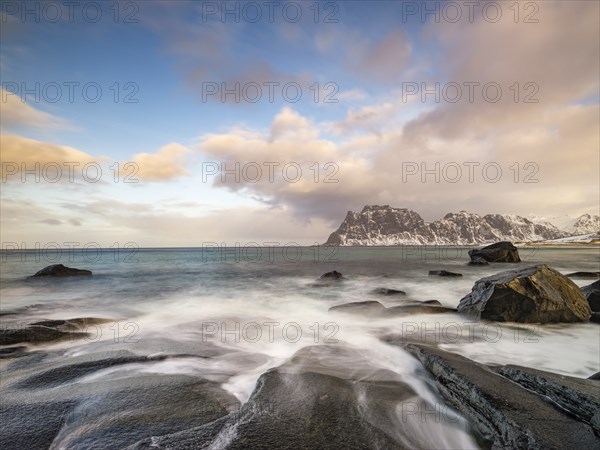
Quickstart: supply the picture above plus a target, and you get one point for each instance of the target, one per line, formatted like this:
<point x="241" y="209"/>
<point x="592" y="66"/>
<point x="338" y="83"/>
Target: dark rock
<point x="77" y="324"/>
<point x="595" y="317"/>
<point x="592" y="294"/>
<point x="505" y="413"/>
<point x="432" y="302"/>
<point x="363" y="308"/>
<point x="387" y="291"/>
<point x="407" y="310"/>
<point x="584" y="275"/>
<point x="478" y="261"/>
<point x="444" y="273"/>
<point x="579" y="396"/>
<point x="328" y="278"/>
<point x="309" y="404"/>
<point x="595" y="377"/>
<point x="34" y="334"/>
<point x="58" y="270"/>
<point x="499" y="252"/>
<point x="535" y="294"/>
<point x="11" y="352"/>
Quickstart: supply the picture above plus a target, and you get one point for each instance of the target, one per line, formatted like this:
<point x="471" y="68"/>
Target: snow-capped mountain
<point x="585" y="224"/>
<point x="384" y="225"/>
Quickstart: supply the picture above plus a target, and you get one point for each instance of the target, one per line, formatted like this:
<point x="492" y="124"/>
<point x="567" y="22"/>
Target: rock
<point x="536" y="294"/>
<point x="309" y="403"/>
<point x="499" y="252"/>
<point x="58" y="270"/>
<point x="595" y="377"/>
<point x="432" y="302"/>
<point x="444" y="273"/>
<point x="595" y="317"/>
<point x="584" y="275"/>
<point x="328" y="278"/>
<point x="592" y="294"/>
<point x="387" y="291"/>
<point x="579" y="396"/>
<point x="77" y="324"/>
<point x="478" y="261"/>
<point x="503" y="412"/>
<point x="363" y="308"/>
<point x="12" y="352"/>
<point x="407" y="310"/>
<point x="34" y="334"/>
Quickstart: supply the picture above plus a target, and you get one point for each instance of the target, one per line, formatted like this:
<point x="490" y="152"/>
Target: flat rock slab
<point x="504" y="412"/>
<point x="581" y="397"/>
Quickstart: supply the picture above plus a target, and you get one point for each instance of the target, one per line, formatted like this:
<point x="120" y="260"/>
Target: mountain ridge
<point x="386" y="225"/>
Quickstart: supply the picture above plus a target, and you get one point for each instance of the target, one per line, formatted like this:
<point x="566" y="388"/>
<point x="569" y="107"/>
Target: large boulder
<point x="536" y="294"/>
<point x="328" y="279"/>
<point x="499" y="252"/>
<point x="509" y="405"/>
<point x="59" y="270"/>
<point x="592" y="294"/>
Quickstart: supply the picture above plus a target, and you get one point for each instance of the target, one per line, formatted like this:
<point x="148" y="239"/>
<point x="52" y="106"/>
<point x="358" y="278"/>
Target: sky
<point x="172" y="123"/>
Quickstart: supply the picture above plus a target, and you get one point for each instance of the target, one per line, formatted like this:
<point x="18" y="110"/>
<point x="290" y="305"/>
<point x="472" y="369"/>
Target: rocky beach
<point x="240" y="354"/>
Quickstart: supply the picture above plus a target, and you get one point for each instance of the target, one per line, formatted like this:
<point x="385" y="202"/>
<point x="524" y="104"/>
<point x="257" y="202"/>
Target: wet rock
<point x="444" y="273"/>
<point x="595" y="377"/>
<point x="387" y="291"/>
<point x="504" y="413"/>
<point x="407" y="310"/>
<point x="478" y="261"/>
<point x="12" y="352"/>
<point x="363" y="308"/>
<point x="499" y="252"/>
<point x="595" y="317"/>
<point x="80" y="323"/>
<point x="59" y="270"/>
<point x="328" y="279"/>
<point x="537" y="294"/>
<point x="35" y="334"/>
<point x="308" y="404"/>
<point x="579" y="396"/>
<point x="584" y="275"/>
<point x="592" y="294"/>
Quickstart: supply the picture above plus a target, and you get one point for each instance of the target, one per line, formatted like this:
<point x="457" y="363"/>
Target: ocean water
<point x="253" y="308"/>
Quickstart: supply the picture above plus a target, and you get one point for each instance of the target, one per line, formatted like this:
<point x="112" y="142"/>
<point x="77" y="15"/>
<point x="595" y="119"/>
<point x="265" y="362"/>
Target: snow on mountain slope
<point x="384" y="225"/>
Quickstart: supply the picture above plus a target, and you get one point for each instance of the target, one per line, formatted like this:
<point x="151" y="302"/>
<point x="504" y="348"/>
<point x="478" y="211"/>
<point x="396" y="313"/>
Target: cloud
<point x="22" y="153"/>
<point x="166" y="164"/>
<point x="16" y="113"/>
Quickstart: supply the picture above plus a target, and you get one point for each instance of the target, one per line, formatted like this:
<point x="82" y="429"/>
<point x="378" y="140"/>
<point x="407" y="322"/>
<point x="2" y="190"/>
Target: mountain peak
<point x="386" y="225"/>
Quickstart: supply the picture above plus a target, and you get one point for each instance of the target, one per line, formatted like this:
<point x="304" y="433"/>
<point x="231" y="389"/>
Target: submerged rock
<point x="499" y="252"/>
<point x="35" y="334"/>
<point x="407" y="310"/>
<point x="478" y="261"/>
<point x="328" y="278"/>
<point x="387" y="291"/>
<point x="537" y="294"/>
<point x="507" y="414"/>
<point x="592" y="294"/>
<point x="59" y="270"/>
<point x="365" y="308"/>
<point x="584" y="275"/>
<point x="444" y="273"/>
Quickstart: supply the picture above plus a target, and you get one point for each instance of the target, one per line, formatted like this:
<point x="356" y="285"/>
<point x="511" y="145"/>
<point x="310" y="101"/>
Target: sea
<point x="258" y="307"/>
